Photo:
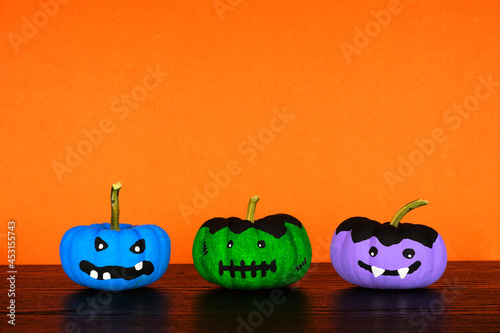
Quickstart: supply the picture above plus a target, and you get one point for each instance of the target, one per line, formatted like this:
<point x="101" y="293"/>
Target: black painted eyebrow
<point x="219" y="223"/>
<point x="363" y="228"/>
<point x="273" y="224"/>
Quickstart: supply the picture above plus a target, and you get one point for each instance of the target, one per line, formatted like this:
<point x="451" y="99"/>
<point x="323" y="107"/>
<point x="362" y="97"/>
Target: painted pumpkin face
<point x="238" y="254"/>
<point x="374" y="255"/>
<point x="97" y="257"/>
<point x="105" y="256"/>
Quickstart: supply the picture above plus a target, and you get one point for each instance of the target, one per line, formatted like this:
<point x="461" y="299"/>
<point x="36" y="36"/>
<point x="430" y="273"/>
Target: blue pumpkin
<point x="115" y="257"/>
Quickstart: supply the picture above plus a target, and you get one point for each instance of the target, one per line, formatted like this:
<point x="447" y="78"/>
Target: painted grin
<point x="243" y="268"/>
<point x="402" y="272"/>
<point x="117" y="272"/>
<point x="253" y="268"/>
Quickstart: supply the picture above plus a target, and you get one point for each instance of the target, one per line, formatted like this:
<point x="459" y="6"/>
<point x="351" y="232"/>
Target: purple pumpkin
<point x="388" y="255"/>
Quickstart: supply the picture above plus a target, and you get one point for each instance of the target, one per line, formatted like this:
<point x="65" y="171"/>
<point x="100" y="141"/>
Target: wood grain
<point x="465" y="299"/>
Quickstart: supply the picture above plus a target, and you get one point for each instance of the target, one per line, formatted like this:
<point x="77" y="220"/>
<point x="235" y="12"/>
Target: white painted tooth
<point x="138" y="266"/>
<point x="106" y="276"/>
<point x="402" y="272"/>
<point x="377" y="271"/>
<point x="93" y="274"/>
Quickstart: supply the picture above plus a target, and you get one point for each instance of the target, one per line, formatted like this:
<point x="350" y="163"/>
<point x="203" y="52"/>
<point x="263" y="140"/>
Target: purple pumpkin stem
<point x="115" y="207"/>
<point x="405" y="209"/>
<point x="251" y="208"/>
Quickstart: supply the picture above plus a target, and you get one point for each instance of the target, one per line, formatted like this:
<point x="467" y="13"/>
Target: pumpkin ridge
<point x="66" y="256"/>
<point x="159" y="236"/>
<point x="139" y="235"/>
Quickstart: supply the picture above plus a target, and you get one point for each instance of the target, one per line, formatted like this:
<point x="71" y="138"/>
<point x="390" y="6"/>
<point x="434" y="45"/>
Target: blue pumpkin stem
<point x="405" y="209"/>
<point x="115" y="207"/>
<point x="251" y="208"/>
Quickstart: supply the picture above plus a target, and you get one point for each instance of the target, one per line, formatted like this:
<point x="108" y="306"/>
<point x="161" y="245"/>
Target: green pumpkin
<point x="242" y="254"/>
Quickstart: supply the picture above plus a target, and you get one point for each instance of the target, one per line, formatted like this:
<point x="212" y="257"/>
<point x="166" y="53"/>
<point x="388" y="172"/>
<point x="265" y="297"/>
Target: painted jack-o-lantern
<point x="242" y="254"/>
<point x="115" y="256"/>
<point x="389" y="255"/>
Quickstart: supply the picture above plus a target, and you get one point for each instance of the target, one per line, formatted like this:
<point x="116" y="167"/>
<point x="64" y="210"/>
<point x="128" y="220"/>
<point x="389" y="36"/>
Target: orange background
<point x="357" y="116"/>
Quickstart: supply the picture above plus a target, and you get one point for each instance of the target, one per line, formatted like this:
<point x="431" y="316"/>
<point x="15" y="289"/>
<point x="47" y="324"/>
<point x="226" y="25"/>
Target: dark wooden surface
<point x="465" y="299"/>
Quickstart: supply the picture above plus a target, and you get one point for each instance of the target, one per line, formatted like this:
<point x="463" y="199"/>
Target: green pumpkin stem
<point x="251" y="208"/>
<point x="406" y="208"/>
<point x="115" y="207"/>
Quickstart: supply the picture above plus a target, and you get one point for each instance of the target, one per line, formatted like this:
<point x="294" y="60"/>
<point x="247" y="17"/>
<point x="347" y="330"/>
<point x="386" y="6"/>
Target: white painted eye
<point x="409" y="253"/>
<point x="230" y="244"/>
<point x="138" y="247"/>
<point x="100" y="244"/>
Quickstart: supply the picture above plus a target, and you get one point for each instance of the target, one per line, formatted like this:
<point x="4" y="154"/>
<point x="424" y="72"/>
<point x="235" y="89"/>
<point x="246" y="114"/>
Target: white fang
<point x="377" y="271"/>
<point x="402" y="272"/>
